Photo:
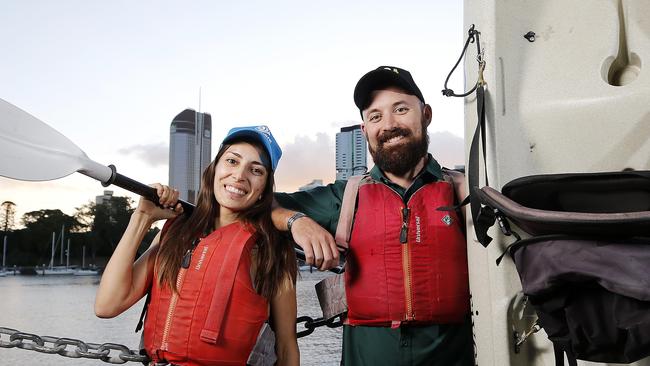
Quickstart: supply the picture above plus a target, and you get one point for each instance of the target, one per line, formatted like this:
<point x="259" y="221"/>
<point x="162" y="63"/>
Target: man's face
<point x="395" y="126"/>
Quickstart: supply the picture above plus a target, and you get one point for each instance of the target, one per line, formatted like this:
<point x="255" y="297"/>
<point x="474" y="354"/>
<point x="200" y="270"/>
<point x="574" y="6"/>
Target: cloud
<point x="306" y="159"/>
<point x="155" y="154"/>
<point x="347" y="123"/>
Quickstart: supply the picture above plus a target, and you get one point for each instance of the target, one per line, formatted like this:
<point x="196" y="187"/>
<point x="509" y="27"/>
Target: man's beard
<point x="399" y="159"/>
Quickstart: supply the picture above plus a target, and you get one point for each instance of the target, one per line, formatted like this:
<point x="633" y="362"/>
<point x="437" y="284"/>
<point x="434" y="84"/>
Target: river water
<point x="62" y="306"/>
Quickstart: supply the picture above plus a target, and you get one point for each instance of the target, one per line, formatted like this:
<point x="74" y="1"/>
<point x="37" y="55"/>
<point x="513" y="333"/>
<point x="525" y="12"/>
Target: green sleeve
<point x="322" y="204"/>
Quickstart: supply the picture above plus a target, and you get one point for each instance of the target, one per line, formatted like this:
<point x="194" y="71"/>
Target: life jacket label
<point x="447" y="220"/>
<point x="201" y="258"/>
<point x="418" y="238"/>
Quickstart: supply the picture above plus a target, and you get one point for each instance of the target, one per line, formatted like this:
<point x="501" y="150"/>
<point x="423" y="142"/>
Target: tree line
<point x="97" y="227"/>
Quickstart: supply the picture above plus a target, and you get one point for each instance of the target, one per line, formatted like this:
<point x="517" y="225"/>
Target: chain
<point x="113" y="352"/>
<point x="311" y="323"/>
<point x="107" y="352"/>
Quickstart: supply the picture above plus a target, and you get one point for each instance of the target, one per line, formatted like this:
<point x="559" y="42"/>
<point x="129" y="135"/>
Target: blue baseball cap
<point x="261" y="134"/>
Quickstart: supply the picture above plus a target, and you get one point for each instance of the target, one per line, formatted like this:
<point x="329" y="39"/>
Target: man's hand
<point x="318" y="244"/>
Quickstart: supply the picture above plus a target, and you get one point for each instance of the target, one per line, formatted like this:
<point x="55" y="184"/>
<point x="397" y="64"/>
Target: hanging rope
<point x="472" y="37"/>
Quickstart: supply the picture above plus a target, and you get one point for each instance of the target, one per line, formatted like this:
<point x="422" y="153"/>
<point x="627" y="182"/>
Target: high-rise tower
<point x="351" y="152"/>
<point x="190" y="139"/>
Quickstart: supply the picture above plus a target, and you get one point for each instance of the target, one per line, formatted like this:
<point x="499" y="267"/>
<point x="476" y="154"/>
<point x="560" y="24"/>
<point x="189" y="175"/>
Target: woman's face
<point x="239" y="178"/>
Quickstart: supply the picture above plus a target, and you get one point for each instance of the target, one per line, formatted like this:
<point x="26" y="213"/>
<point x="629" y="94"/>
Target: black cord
<point x="472" y="37"/>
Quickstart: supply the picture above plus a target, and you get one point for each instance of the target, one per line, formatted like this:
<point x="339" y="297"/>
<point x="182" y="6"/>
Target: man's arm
<point x="318" y="243"/>
<point x="312" y="233"/>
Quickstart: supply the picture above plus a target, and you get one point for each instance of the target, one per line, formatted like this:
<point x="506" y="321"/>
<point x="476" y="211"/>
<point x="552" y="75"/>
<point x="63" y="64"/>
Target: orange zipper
<point x="172" y="307"/>
<point x="406" y="266"/>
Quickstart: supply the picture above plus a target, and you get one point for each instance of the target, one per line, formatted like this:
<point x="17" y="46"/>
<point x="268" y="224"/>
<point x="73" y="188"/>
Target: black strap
<point x="456" y="207"/>
<point x="559" y="356"/>
<point x="482" y="219"/>
<point x="144" y="311"/>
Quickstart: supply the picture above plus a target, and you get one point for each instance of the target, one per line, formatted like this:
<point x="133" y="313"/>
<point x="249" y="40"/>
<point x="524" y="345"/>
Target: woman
<point x="215" y="274"/>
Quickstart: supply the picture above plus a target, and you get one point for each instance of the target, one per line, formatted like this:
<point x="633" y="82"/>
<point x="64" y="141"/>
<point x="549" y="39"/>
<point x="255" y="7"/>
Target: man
<point x="406" y="274"/>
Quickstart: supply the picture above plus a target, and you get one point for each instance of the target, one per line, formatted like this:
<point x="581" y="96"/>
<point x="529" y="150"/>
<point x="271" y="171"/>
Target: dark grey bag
<point x="586" y="268"/>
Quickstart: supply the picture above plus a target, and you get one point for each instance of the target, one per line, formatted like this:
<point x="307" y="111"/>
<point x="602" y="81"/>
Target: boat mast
<point x="52" y="258"/>
<point x="4" y="253"/>
<point x="61" y="258"/>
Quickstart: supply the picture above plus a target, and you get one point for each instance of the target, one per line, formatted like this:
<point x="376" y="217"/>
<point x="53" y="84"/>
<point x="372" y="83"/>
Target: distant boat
<point x="86" y="272"/>
<point x="55" y="270"/>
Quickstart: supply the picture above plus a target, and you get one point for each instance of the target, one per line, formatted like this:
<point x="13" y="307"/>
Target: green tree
<point x="106" y="223"/>
<point x="37" y="235"/>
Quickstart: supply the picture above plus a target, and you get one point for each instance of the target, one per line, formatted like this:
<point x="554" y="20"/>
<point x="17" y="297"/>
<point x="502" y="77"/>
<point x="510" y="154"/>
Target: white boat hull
<point x="86" y="272"/>
<point x="55" y="271"/>
<point x="552" y="106"/>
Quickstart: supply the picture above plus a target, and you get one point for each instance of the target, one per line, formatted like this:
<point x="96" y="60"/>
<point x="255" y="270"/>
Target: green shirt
<point x="448" y="345"/>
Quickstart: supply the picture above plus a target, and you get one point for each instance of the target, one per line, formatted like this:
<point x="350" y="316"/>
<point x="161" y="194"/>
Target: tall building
<point x="105" y="198"/>
<point x="190" y="139"/>
<point x="351" y="152"/>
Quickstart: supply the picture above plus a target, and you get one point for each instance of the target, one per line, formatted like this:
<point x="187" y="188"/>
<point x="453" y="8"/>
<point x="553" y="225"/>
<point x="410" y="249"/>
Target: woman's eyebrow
<point x="241" y="157"/>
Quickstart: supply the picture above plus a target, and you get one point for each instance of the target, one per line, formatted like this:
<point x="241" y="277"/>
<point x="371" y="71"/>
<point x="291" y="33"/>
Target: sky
<point x="111" y="76"/>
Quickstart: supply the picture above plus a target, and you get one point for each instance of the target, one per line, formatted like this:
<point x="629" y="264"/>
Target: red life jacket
<point x="407" y="263"/>
<point x="217" y="315"/>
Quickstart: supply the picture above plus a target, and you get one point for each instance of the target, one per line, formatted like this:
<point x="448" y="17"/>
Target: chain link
<point x="107" y="352"/>
<point x="311" y="324"/>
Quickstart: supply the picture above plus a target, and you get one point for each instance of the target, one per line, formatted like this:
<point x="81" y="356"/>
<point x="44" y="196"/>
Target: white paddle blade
<point x="31" y="150"/>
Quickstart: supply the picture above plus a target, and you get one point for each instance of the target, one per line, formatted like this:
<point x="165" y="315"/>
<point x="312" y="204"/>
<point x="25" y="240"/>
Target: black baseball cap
<point x="382" y="77"/>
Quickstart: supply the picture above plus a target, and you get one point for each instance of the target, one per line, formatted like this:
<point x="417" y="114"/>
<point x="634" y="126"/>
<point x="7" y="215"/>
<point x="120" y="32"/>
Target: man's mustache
<point x="394" y="133"/>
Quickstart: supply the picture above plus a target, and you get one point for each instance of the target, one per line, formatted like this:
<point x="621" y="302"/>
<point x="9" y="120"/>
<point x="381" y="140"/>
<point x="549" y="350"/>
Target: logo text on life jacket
<point x="201" y="258"/>
<point x="417" y="229"/>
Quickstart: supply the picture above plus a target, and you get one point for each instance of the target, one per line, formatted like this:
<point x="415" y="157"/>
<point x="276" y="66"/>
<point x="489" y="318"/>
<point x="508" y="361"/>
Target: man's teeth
<point x="393" y="139"/>
<point x="234" y="190"/>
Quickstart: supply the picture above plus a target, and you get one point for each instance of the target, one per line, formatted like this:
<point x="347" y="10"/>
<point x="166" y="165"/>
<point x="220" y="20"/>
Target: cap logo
<point x="265" y="131"/>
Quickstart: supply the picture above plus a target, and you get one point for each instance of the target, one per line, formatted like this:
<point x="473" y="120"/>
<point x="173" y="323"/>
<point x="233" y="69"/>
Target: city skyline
<point x="351" y="152"/>
<point x="190" y="152"/>
<point x="110" y="75"/>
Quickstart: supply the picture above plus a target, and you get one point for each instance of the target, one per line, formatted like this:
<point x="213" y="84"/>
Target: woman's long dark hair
<point x="276" y="259"/>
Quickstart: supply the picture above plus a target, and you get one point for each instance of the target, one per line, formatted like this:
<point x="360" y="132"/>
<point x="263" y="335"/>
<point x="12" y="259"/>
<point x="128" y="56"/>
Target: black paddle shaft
<point x="141" y="189"/>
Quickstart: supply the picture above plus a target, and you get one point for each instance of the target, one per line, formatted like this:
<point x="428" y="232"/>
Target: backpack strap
<point x="348" y="206"/>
